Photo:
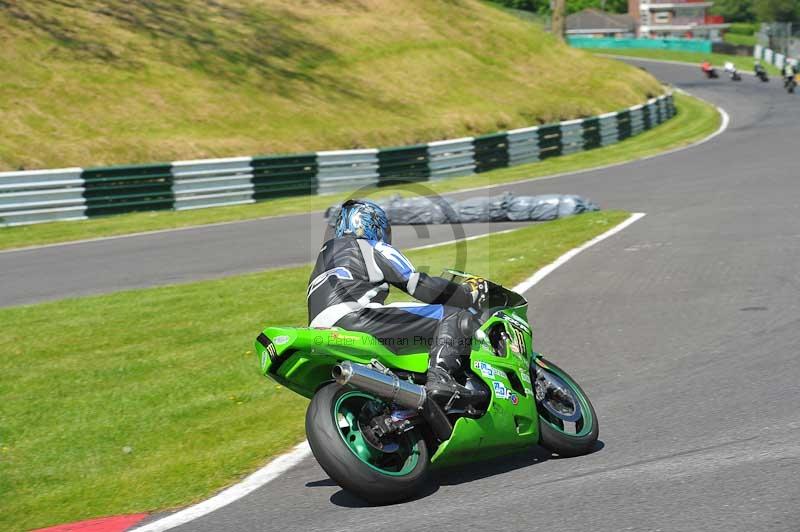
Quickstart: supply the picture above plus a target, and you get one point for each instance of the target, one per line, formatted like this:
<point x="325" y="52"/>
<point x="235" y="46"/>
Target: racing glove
<point x="479" y="289"/>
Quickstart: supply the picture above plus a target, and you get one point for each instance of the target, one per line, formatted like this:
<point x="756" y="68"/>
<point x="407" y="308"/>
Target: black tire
<point x="568" y="445"/>
<point x="345" y="468"/>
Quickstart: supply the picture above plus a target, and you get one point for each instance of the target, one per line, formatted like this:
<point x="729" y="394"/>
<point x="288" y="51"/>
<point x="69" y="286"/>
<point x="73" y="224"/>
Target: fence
<point x="743" y="50"/>
<point x="684" y="45"/>
<point x="771" y="57"/>
<point x="76" y="193"/>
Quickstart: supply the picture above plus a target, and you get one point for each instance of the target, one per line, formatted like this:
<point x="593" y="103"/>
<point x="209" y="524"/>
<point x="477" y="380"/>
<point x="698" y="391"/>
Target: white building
<point x="676" y="19"/>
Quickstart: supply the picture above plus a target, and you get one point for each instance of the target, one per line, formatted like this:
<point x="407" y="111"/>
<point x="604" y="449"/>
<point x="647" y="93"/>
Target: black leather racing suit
<point x="348" y="288"/>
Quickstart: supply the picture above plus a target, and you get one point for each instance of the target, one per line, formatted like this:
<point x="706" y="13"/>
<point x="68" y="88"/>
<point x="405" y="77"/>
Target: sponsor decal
<point x="518" y="343"/>
<point x="525" y="376"/>
<point x="500" y="391"/>
<point x="489" y="371"/>
<point x="269" y="353"/>
<point x="280" y="340"/>
<point x="528" y="391"/>
<point x="514" y="399"/>
<point x="515" y="347"/>
<point x="520" y="323"/>
<point x="336" y="338"/>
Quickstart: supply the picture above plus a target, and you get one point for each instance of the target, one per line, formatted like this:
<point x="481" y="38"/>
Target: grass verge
<point x="98" y="82"/>
<point x="149" y="399"/>
<point x="743" y="63"/>
<point x="695" y="120"/>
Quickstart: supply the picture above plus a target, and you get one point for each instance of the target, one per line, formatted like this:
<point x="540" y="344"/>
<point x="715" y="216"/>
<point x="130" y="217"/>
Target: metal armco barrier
<point x="549" y="141"/>
<point x="523" y="146"/>
<point x="343" y="170"/>
<point x="120" y="189"/>
<point x="41" y="196"/>
<point x="491" y="152"/>
<point x="211" y="182"/>
<point x="637" y="120"/>
<point x="280" y="176"/>
<point x="76" y="193"/>
<point x="762" y="53"/>
<point x="405" y="164"/>
<point x="448" y="158"/>
<point x="609" y="130"/>
<point x="571" y="136"/>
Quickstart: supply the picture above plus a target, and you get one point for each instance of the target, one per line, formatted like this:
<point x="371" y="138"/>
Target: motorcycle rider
<point x="350" y="282"/>
<point x="708" y="69"/>
<point x="788" y="71"/>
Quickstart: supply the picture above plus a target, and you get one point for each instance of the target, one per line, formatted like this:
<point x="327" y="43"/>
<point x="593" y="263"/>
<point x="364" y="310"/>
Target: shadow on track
<point x="456" y="475"/>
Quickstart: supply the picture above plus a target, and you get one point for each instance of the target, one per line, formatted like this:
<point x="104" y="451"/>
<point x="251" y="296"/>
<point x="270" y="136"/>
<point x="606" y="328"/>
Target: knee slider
<point x="467" y="323"/>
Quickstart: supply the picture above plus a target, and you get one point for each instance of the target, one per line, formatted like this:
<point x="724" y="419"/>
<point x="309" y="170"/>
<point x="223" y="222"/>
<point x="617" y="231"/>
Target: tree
<point x="573" y="6"/>
<point x="777" y="10"/>
<point x="735" y="10"/>
<point x="525" y="5"/>
<point x="559" y="20"/>
<point x="613" y="6"/>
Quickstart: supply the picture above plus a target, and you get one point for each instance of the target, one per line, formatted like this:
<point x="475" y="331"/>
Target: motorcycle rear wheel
<point x="346" y="455"/>
<point x="566" y="429"/>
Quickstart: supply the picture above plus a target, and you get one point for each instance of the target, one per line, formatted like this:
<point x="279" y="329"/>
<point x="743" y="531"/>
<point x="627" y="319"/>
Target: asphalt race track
<point x="683" y="329"/>
<point x="68" y="270"/>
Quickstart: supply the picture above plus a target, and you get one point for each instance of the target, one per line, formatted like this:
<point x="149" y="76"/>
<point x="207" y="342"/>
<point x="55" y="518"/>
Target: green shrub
<point x="734" y="38"/>
<point x="743" y="28"/>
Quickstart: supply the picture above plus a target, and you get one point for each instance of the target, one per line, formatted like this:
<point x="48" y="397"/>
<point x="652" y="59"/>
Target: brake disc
<point x="556" y="396"/>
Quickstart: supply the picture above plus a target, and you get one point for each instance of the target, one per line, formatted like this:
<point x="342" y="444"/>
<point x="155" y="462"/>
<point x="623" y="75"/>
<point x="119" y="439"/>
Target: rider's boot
<point x="452" y="341"/>
<point x="440" y="385"/>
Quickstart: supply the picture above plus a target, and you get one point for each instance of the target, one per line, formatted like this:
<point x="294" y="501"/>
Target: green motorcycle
<point x="377" y="433"/>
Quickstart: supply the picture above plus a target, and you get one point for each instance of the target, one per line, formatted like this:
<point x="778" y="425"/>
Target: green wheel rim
<point x="345" y="416"/>
<point x="586" y="420"/>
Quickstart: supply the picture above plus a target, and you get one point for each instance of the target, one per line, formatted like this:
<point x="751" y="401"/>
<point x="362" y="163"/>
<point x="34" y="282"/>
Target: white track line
<point x="286" y="461"/>
<point x="235" y="492"/>
<point x="534" y="279"/>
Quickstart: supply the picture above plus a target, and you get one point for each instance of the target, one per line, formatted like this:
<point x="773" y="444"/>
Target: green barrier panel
<point x="646" y="119"/>
<point x="120" y="189"/>
<point x="670" y="107"/>
<point x="623" y="125"/>
<point x="407" y="164"/>
<point x="683" y="45"/>
<point x="281" y="176"/>
<point x="491" y="151"/>
<point x="591" y="133"/>
<point x="549" y="141"/>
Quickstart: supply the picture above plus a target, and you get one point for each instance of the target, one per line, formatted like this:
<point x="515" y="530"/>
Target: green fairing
<point x="304" y="358"/>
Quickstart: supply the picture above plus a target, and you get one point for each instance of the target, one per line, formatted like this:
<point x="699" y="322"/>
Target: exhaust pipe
<point x="387" y="386"/>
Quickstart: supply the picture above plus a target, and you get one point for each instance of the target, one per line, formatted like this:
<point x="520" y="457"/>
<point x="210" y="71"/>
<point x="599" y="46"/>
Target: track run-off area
<point x="683" y="329"/>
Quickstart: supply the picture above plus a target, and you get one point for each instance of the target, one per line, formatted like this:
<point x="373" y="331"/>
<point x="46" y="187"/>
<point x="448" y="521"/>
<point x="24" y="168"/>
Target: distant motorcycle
<point x="711" y="73"/>
<point x="761" y="73"/>
<point x="789" y="83"/>
<point x="732" y="72"/>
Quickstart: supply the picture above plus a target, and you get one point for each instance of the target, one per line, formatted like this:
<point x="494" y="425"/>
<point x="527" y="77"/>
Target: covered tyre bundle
<point x="506" y="207"/>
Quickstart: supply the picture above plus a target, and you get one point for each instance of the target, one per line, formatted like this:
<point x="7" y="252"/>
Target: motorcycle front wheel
<point x="334" y="427"/>
<point x="567" y="421"/>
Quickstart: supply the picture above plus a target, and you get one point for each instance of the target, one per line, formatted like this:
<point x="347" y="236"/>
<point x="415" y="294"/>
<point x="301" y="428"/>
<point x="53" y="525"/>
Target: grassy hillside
<point x="88" y="82"/>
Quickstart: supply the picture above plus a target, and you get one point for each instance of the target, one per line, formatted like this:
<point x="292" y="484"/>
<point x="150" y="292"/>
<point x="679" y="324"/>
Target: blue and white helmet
<point x="363" y="219"/>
